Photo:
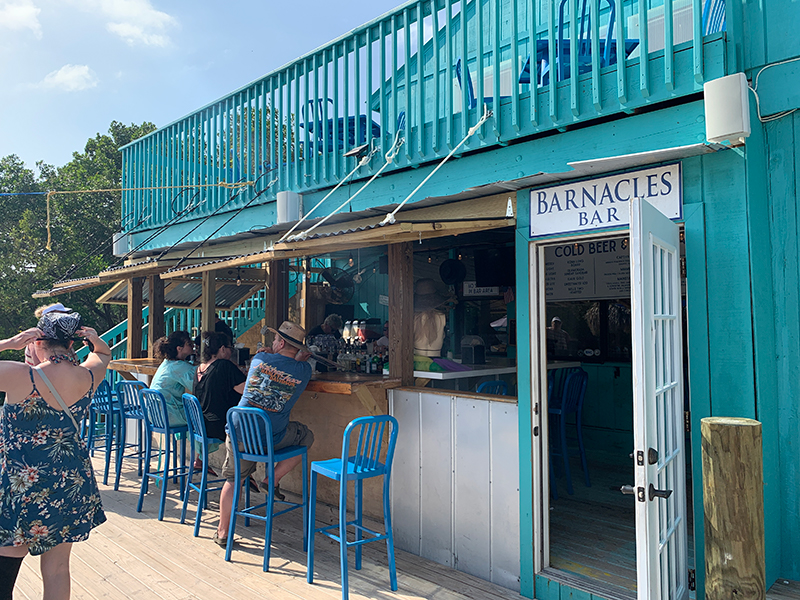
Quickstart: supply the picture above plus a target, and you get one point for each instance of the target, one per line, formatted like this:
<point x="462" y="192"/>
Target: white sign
<point x="588" y="271"/>
<point x="600" y="203"/>
<point x="383" y="300"/>
<point x="470" y="289"/>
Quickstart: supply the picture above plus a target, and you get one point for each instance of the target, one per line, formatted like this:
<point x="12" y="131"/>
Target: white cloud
<point x="137" y="21"/>
<point x="70" y="78"/>
<point x="20" y="14"/>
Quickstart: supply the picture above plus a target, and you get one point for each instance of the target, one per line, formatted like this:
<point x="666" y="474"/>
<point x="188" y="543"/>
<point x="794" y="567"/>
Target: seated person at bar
<point x="175" y="376"/>
<point x="285" y="362"/>
<point x="219" y="386"/>
<point x="429" y="317"/>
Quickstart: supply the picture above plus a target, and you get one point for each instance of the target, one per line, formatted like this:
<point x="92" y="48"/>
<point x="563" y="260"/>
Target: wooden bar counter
<point x="328" y="404"/>
<point x="127" y="367"/>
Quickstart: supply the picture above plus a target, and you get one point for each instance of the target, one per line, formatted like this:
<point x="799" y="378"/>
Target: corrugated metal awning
<point x="187" y="294"/>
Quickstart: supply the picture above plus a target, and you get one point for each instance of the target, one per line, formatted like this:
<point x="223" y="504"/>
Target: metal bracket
<point x="640" y="494"/>
<point x="692" y="583"/>
<point x="640" y="458"/>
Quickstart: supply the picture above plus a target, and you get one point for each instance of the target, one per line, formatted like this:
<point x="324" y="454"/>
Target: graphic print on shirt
<point x="270" y="388"/>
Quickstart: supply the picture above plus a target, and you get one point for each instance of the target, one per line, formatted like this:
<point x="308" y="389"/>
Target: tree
<point x="82" y="225"/>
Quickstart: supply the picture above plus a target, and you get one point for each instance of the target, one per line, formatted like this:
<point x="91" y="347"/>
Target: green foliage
<point x="81" y="225"/>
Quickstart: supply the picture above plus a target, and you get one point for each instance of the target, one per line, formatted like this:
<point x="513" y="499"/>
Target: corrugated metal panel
<point x="455" y="483"/>
<point x="185" y="294"/>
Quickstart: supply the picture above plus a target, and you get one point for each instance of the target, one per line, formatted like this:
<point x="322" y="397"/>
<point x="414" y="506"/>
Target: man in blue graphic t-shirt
<point x="277" y="377"/>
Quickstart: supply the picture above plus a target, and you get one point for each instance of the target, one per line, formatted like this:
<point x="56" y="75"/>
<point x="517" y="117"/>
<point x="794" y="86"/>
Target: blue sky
<point x="70" y="67"/>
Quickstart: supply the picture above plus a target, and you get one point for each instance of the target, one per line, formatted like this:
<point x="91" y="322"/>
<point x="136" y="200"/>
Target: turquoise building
<point x="535" y="126"/>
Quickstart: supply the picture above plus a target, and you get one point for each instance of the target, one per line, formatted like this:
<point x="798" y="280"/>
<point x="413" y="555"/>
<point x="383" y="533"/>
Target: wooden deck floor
<point x="133" y="555"/>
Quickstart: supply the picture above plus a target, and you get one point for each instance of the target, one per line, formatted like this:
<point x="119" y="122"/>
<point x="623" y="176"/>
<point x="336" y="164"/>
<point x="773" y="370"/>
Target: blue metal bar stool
<point x="156" y="420"/>
<point x="250" y="431"/>
<point x="128" y="402"/>
<point x="571" y="403"/>
<point x="365" y="463"/>
<point x="497" y="386"/>
<point x="197" y="438"/>
<point x="103" y="425"/>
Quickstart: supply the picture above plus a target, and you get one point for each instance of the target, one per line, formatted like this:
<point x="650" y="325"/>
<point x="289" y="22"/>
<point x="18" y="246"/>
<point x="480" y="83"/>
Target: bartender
<point x="324" y="338"/>
<point x="430" y="319"/>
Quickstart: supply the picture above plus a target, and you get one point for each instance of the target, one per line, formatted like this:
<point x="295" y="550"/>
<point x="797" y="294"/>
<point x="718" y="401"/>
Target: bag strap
<point x="58" y="398"/>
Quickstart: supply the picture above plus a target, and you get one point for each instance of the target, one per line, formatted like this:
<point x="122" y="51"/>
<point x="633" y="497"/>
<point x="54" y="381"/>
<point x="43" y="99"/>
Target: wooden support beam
<point x="271" y="299"/>
<point x="401" y="312"/>
<point x="135" y="303"/>
<point x="304" y="296"/>
<point x="208" y="305"/>
<point x="733" y="503"/>
<point x="156" y="327"/>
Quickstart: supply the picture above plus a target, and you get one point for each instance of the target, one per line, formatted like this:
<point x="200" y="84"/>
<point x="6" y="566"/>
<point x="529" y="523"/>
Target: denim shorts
<point x="296" y="434"/>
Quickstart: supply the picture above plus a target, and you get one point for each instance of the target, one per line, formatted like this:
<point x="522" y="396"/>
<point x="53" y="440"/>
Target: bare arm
<point x="99" y="358"/>
<point x="12" y="372"/>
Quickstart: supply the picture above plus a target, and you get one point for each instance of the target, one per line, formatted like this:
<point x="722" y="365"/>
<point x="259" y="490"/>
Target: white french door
<point x="659" y="461"/>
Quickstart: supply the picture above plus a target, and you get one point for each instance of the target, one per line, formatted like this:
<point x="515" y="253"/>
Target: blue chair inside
<point x="156" y="421"/>
<point x="250" y="432"/>
<point x="370" y="433"/>
<point x="103" y="426"/>
<point x="571" y="403"/>
<point x="128" y="402"/>
<point x="312" y="117"/>
<point x="197" y="439"/>
<point x="497" y="386"/>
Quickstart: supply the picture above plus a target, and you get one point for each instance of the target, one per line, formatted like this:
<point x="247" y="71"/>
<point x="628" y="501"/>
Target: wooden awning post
<point x="304" y="296"/>
<point x="134" y="349"/>
<point x="156" y="328"/>
<point x="401" y="312"/>
<point x="208" y="304"/>
<point x="733" y="503"/>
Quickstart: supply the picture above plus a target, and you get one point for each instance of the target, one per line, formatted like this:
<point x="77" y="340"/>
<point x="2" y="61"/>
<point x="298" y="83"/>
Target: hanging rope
<point x="390" y="156"/>
<point x="222" y="184"/>
<point x="486" y="114"/>
<point x="364" y="161"/>
<point x="213" y="233"/>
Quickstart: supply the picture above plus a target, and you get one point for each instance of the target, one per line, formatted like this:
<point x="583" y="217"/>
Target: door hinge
<point x="683" y="267"/>
<point x="687" y="421"/>
<point x="692" y="584"/>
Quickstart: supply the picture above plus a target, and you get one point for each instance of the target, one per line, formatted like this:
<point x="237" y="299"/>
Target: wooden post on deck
<point x="208" y="302"/>
<point x="155" y="326"/>
<point x="401" y="312"/>
<point x="134" y="349"/>
<point x="733" y="502"/>
<point x="304" y="296"/>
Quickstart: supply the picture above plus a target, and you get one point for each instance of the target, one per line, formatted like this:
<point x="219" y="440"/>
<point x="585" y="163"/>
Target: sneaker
<point x="276" y="491"/>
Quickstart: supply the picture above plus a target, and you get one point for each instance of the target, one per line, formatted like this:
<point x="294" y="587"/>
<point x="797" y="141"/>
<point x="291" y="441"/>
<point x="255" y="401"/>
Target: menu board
<point x="595" y="270"/>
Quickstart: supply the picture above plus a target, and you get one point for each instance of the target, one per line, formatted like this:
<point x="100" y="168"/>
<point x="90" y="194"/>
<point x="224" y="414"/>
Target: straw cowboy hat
<point x="292" y="334"/>
<point x="428" y="297"/>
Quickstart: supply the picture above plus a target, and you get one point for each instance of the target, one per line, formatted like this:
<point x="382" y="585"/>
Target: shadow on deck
<point x="133" y="555"/>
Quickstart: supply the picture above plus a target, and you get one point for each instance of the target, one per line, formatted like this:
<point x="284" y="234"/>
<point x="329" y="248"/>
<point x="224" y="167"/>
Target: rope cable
<point x="213" y="233"/>
<point x="486" y="114"/>
<point x="365" y="160"/>
<point x="389" y="157"/>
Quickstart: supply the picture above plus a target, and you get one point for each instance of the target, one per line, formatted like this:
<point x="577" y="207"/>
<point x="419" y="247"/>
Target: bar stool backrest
<point x="154" y="407"/>
<point x="574" y="391"/>
<point x="371" y="433"/>
<point x="102" y="399"/>
<point x="250" y="430"/>
<point x="128" y="396"/>
<point x="194" y="417"/>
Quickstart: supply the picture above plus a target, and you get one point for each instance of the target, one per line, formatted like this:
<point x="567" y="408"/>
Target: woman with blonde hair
<point x="48" y="494"/>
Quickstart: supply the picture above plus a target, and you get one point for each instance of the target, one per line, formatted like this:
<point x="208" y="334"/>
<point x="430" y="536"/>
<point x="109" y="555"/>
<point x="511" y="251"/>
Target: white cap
<point x="57" y="307"/>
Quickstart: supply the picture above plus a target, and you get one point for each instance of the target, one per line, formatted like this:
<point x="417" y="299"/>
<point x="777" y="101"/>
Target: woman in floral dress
<point x="48" y="494"/>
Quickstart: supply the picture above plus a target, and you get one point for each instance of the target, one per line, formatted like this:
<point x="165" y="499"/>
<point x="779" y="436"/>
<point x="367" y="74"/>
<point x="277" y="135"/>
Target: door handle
<point x="653" y="493"/>
<point x="633" y="491"/>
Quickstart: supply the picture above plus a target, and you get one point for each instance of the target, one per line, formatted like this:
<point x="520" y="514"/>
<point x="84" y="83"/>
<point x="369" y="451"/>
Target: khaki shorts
<point x="296" y="434"/>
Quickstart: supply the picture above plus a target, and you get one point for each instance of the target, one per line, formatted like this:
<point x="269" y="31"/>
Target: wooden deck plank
<point x="133" y="555"/>
<point x="784" y="589"/>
